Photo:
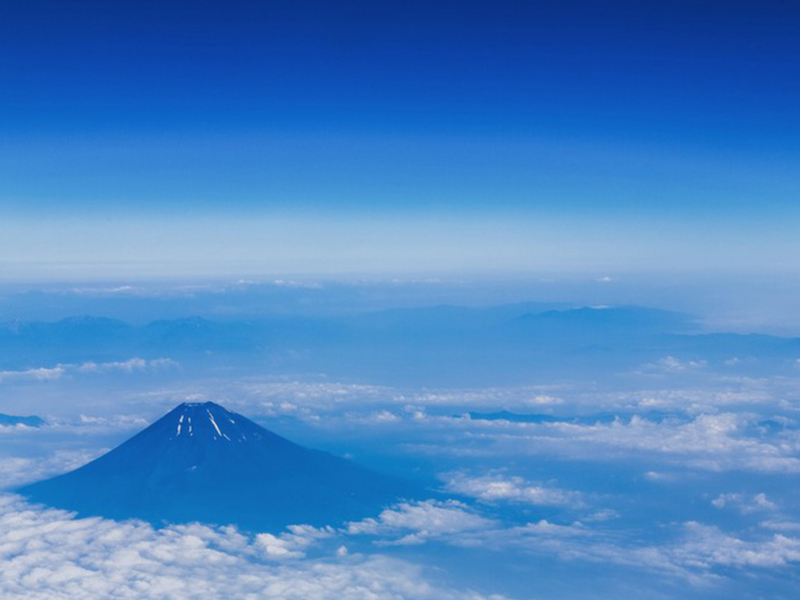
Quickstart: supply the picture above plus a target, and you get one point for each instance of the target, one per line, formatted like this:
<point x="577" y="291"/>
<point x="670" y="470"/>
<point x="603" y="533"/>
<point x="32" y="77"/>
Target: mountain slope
<point x="201" y="462"/>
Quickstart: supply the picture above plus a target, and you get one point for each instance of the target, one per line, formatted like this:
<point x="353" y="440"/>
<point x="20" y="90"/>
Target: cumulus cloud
<point x="712" y="442"/>
<point x="48" y="554"/>
<point x="418" y="522"/>
<point x="744" y="503"/>
<point x="543" y="400"/>
<point x="699" y="554"/>
<point x="498" y="487"/>
<point x="706" y="546"/>
<point x="292" y="543"/>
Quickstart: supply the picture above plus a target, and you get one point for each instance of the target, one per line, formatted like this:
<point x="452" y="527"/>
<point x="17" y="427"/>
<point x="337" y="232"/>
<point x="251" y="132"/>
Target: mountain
<point x="438" y="346"/>
<point x="27" y="421"/>
<point x="201" y="462"/>
<point x="606" y="323"/>
<point x="591" y="419"/>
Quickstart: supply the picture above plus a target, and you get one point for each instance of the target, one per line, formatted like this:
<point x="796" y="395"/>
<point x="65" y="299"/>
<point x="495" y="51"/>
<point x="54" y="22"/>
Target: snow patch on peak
<point x="213" y="422"/>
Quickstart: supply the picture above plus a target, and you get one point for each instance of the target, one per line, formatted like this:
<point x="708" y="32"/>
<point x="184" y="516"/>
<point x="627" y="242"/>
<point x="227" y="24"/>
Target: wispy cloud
<point x="132" y="365"/>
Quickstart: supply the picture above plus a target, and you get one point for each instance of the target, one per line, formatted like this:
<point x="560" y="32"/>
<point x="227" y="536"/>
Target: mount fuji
<point x="201" y="462"/>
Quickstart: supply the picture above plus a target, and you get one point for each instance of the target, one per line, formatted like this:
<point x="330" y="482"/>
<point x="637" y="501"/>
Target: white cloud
<point x="744" y="503"/>
<point x="128" y="366"/>
<point x="61" y="370"/>
<point x="114" y="422"/>
<point x="48" y="554"/>
<point x="292" y="543"/>
<point x="497" y="487"/>
<point x="418" y="522"/>
<point x="16" y="470"/>
<point x="289" y="283"/>
<point x="706" y="547"/>
<point x="671" y="364"/>
<point x="16" y="428"/>
<point x="543" y="400"/>
<point x="124" y="290"/>
<point x="784" y="526"/>
<point x="38" y="374"/>
<point x="713" y="442"/>
<point x="698" y="555"/>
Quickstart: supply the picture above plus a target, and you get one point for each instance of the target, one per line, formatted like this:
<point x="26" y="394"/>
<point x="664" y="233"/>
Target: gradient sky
<point x="432" y="135"/>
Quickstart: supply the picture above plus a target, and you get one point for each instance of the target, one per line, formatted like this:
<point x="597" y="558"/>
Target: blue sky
<point x="651" y="123"/>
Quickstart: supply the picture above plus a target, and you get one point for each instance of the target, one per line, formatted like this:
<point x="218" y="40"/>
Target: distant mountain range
<point x="440" y="345"/>
<point x="201" y="462"/>
<point x="32" y="421"/>
<point x="590" y="419"/>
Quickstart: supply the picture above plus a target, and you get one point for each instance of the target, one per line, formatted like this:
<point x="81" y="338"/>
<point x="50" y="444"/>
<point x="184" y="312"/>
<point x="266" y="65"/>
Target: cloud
<point x="744" y="503"/>
<point x="418" y="522"/>
<point x="16" y="470"/>
<point x="699" y="554"/>
<point x="48" y="554"/>
<point x="61" y="370"/>
<point x="711" y="442"/>
<point x="125" y="290"/>
<point x="292" y="543"/>
<point x="114" y="422"/>
<point x="290" y="283"/>
<point x="496" y="487"/>
<point x="544" y="399"/>
<point x="696" y="553"/>
<point x="784" y="526"/>
<point x="672" y="365"/>
<point x="128" y="366"/>
<point x="706" y="547"/>
<point x="38" y="374"/>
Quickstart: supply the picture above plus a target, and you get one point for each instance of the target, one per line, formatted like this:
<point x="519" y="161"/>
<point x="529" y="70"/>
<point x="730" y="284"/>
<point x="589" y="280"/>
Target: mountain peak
<point x="209" y="420"/>
<point x="203" y="462"/>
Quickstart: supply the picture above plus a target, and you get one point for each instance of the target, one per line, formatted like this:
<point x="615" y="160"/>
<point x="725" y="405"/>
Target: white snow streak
<point x="214" y="423"/>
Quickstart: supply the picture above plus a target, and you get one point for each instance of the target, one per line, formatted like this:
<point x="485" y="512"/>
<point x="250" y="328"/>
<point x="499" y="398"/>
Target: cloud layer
<point x="50" y="555"/>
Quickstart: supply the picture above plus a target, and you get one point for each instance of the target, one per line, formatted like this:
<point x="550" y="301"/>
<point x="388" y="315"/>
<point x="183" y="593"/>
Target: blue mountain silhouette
<point x="10" y="420"/>
<point x="202" y="462"/>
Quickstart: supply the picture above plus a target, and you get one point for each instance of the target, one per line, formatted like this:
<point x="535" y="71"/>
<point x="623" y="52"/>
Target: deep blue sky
<point x="574" y="111"/>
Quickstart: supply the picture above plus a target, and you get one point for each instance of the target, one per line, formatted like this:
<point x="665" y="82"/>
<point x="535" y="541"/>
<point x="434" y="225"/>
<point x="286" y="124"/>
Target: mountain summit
<point x="202" y="462"/>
